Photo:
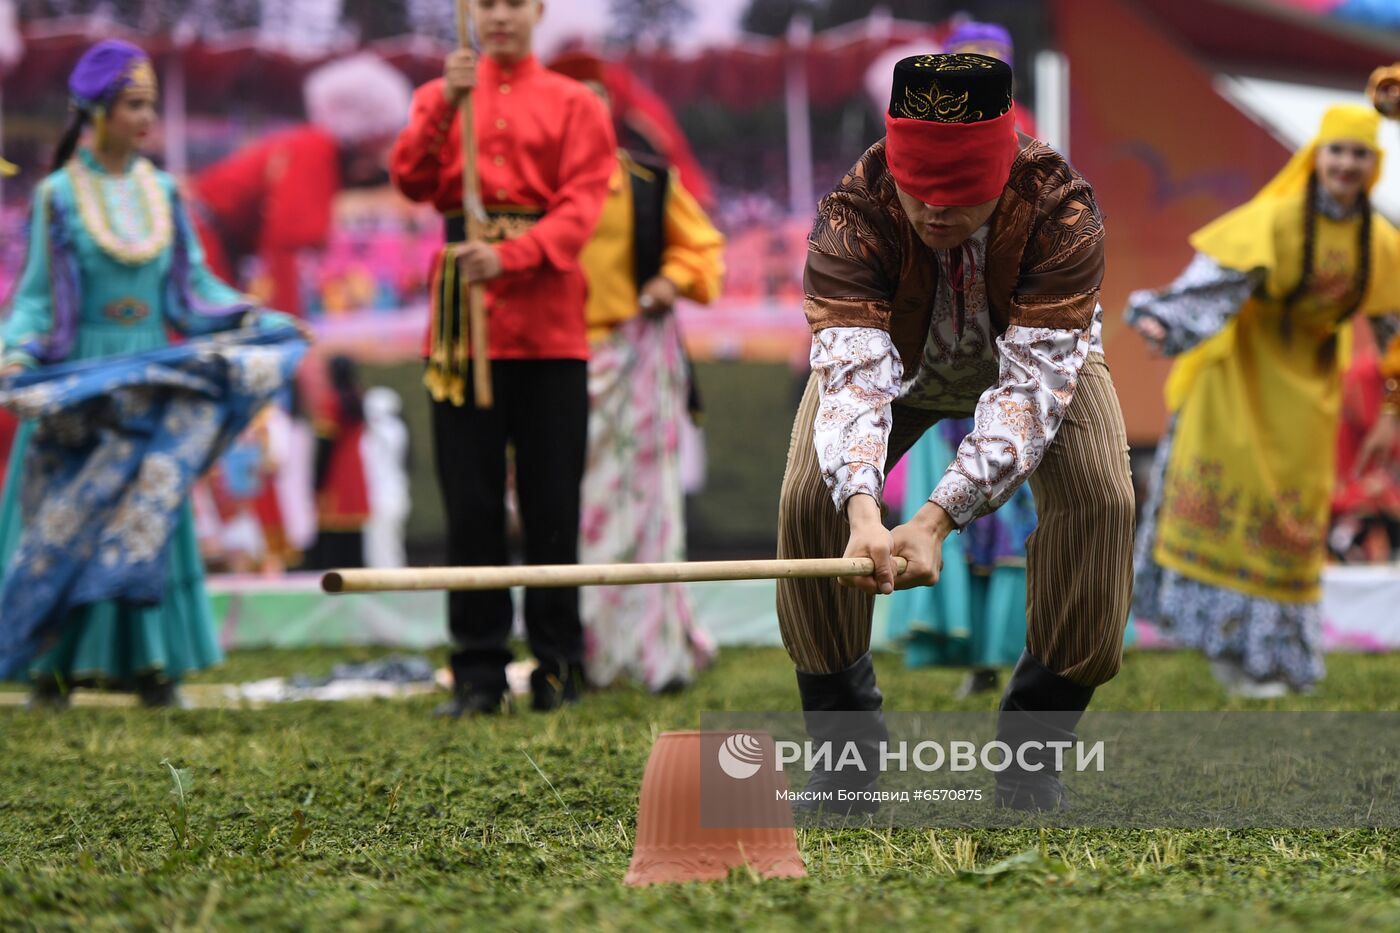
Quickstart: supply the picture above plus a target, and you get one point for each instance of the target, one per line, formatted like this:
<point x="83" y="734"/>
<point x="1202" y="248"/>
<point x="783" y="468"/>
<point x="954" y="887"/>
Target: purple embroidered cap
<point x="980" y="35"/>
<point x="104" y="71"/>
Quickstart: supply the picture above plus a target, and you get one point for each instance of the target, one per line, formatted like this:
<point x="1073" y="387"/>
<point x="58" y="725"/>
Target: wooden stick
<point x="475" y="293"/>
<point x="569" y="575"/>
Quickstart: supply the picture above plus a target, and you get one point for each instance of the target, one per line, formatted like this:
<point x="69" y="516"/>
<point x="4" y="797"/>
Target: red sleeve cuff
<point x="519" y="255"/>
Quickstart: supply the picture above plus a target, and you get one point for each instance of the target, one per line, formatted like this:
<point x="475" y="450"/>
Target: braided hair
<point x="68" y="143"/>
<point x="1362" y="281"/>
<point x="1363" y="258"/>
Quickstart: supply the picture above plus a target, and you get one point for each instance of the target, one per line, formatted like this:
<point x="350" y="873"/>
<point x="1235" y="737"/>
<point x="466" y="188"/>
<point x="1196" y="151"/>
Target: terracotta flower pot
<point x="747" y="821"/>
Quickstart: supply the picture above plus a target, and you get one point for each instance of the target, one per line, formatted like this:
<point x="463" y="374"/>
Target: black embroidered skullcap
<point x="956" y="87"/>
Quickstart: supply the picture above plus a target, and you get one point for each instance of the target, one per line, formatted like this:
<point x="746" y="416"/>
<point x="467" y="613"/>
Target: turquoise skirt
<point x="972" y="617"/>
<point x="969" y="619"/>
<point x="113" y="642"/>
<point x="976" y="615"/>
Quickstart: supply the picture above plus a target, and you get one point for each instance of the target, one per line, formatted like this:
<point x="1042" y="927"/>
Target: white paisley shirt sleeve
<point x="860" y="374"/>
<point x="1196" y="306"/>
<point x="1015" y="421"/>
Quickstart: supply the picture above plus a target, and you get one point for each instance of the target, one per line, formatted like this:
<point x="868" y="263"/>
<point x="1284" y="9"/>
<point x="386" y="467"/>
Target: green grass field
<point x="373" y="815"/>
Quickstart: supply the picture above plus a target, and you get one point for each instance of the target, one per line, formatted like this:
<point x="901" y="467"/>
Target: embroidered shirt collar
<point x="978" y="241"/>
<point x="1332" y="209"/>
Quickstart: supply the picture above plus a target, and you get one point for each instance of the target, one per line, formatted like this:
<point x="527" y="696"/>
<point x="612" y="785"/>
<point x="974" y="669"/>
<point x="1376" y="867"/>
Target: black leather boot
<point x="155" y="691"/>
<point x="476" y="691"/>
<point x="471" y="703"/>
<point x="854" y="695"/>
<point x="48" y="692"/>
<point x="554" y="684"/>
<point x="1038" y="706"/>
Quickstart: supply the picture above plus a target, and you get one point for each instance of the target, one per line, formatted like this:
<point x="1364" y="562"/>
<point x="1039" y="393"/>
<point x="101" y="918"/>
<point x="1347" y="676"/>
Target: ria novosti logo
<point x="740" y="756"/>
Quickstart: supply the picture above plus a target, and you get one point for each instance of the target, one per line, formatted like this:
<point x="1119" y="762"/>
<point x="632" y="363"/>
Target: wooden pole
<point x="569" y="575"/>
<point x="475" y="292"/>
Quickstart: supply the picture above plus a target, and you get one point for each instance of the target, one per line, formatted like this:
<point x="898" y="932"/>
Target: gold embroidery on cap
<point x="932" y="103"/>
<point x="953" y="61"/>
<point x="141" y="75"/>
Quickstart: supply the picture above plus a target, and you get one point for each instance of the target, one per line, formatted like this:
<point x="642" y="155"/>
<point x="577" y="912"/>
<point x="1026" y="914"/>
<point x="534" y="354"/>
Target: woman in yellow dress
<point x="1232" y="545"/>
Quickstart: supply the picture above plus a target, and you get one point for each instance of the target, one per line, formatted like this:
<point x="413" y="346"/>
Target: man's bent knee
<point x="1099" y="666"/>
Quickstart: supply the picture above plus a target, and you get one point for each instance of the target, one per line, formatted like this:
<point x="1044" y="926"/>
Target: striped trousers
<point x="1079" y="560"/>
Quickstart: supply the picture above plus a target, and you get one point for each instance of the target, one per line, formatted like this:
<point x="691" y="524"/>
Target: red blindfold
<point x="952" y="164"/>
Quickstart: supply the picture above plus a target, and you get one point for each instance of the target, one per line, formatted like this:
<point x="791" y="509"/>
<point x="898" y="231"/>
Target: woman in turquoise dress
<point x="111" y="266"/>
<point x="976" y="616"/>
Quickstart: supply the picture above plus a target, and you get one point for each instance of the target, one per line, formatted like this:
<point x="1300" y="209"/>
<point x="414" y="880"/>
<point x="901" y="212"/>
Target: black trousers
<point x="541" y="409"/>
<point x="335" y="549"/>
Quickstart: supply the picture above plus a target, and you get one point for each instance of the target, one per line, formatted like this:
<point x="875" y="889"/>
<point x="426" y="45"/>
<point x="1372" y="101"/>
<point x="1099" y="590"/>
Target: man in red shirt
<point x="274" y="199"/>
<point x="545" y="152"/>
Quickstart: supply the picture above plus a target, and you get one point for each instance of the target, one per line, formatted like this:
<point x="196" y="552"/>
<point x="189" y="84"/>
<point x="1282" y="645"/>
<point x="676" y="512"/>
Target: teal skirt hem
<point x="115" y="641"/>
<point x="996" y="606"/>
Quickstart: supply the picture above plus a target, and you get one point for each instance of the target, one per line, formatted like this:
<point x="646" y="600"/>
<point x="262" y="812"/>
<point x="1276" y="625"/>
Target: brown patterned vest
<point x="867" y="267"/>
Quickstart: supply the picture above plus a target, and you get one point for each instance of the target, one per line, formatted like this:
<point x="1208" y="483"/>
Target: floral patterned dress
<point x="638" y="389"/>
<point x="106" y="246"/>
<point x="634" y="509"/>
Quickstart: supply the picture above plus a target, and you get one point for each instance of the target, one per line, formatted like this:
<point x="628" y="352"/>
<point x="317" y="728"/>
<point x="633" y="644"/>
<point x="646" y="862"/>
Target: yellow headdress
<point x="1342" y="123"/>
<point x="1243" y="238"/>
